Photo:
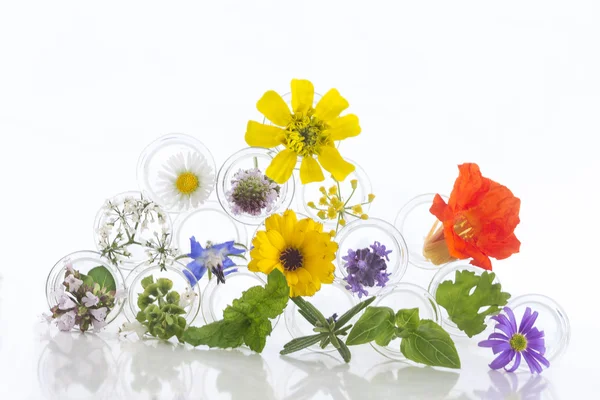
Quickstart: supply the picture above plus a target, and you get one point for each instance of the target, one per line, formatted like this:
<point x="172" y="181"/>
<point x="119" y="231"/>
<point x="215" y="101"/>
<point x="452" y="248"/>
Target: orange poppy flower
<point x="478" y="221"/>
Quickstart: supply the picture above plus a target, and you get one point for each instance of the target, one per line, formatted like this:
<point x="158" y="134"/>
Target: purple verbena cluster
<point x="252" y="192"/>
<point x="366" y="268"/>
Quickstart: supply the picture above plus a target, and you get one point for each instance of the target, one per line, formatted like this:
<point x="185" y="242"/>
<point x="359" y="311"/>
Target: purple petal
<point x="502" y="346"/>
<point x="516" y="364"/>
<point x="539" y="358"/>
<point x="526" y="316"/>
<point x="534" y="334"/>
<point x="527" y="325"/>
<point x="497" y="335"/>
<point x="502" y="360"/>
<point x="502" y="320"/>
<point x="511" y="318"/>
<point x="534" y="366"/>
<point x="489" y="343"/>
<point x="506" y="329"/>
<point x="537" y="344"/>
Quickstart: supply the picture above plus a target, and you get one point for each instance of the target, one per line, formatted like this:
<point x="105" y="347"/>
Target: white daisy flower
<point x="185" y="181"/>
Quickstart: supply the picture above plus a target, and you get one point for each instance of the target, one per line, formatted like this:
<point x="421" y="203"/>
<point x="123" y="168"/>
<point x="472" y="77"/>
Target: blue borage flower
<point x="213" y="258"/>
<point x="366" y="267"/>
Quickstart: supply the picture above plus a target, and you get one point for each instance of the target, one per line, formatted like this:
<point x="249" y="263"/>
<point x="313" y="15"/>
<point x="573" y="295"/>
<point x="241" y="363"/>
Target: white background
<point x="511" y="85"/>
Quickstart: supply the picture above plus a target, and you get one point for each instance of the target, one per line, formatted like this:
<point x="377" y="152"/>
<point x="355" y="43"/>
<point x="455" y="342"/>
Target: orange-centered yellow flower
<point x="299" y="249"/>
<point x="305" y="132"/>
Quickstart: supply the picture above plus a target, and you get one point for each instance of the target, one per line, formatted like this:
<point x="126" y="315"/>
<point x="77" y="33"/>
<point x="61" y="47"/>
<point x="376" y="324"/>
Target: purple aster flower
<point x="252" y="192"/>
<point x="214" y="257"/>
<point x="514" y="342"/>
<point x="366" y="268"/>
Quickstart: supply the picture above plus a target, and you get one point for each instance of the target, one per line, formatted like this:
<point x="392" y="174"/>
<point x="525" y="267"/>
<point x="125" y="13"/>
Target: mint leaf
<point x="102" y="276"/>
<point x="222" y="334"/>
<point x="408" y="318"/>
<point x="376" y="322"/>
<point x="256" y="335"/>
<point x="431" y="345"/>
<point x="464" y="308"/>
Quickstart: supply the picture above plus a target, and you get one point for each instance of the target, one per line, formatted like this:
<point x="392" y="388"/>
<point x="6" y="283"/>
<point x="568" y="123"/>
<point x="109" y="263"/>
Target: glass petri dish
<point x="155" y="159"/>
<point x="310" y="192"/>
<point x="360" y="234"/>
<point x="447" y="273"/>
<point x="245" y="159"/>
<point x="400" y="296"/>
<point x="175" y="273"/>
<point x="142" y="234"/>
<point x="83" y="261"/>
<point x="208" y="224"/>
<point x="332" y="298"/>
<point x="414" y="221"/>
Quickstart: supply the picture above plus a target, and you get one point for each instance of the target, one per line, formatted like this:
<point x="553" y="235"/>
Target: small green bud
<point x="164" y="285"/>
<point x="173" y="297"/>
<point x="147" y="281"/>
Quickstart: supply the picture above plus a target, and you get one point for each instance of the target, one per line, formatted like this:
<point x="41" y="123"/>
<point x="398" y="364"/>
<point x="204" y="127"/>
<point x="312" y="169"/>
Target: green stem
<point x="255" y="162"/>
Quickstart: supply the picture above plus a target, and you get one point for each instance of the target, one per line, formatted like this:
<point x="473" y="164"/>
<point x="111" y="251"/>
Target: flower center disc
<point x="187" y="183"/>
<point x="518" y="342"/>
<point x="305" y="135"/>
<point x="291" y="259"/>
<point x="463" y="228"/>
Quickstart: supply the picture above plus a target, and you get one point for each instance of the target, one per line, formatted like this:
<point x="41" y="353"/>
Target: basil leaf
<point x="376" y="322"/>
<point x="431" y="345"/>
<point x="87" y="280"/>
<point x="103" y="277"/>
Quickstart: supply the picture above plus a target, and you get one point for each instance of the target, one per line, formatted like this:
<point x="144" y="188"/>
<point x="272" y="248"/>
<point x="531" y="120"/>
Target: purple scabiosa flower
<point x="252" y="192"/>
<point x="514" y="342"/>
<point x="366" y="268"/>
<point x="213" y="258"/>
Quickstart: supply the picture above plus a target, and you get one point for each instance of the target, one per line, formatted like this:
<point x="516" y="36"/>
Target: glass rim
<point x="153" y="147"/>
<point x="401" y="218"/>
<point x="289" y="186"/>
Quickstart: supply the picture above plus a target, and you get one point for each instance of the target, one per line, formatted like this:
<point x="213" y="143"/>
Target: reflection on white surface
<point x="516" y="386"/>
<point x="76" y="366"/>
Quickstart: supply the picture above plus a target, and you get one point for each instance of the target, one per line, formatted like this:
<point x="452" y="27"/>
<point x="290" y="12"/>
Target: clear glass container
<point x="310" y="192"/>
<point x="360" y="234"/>
<point x="154" y="159"/>
<point x="84" y="261"/>
<point x="552" y="319"/>
<point x="448" y="273"/>
<point x="174" y="272"/>
<point x="249" y="158"/>
<point x="401" y="296"/>
<point x="331" y="299"/>
<point x="218" y="296"/>
<point x="208" y="224"/>
<point x="414" y="221"/>
<point x="138" y="252"/>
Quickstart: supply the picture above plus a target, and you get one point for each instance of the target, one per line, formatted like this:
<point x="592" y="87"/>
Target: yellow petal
<point x="253" y="266"/>
<point x="272" y="106"/>
<point x="292" y="278"/>
<point x="261" y="135"/>
<point x="303" y="94"/>
<point x="333" y="162"/>
<point x="343" y="127"/>
<point x="330" y="106"/>
<point x="287" y="226"/>
<point x="276" y="240"/>
<point x="272" y="223"/>
<point x="267" y="251"/>
<point x="310" y="171"/>
<point x="282" y="166"/>
<point x="267" y="266"/>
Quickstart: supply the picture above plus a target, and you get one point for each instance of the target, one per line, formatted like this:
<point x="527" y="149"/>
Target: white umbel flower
<point x="185" y="181"/>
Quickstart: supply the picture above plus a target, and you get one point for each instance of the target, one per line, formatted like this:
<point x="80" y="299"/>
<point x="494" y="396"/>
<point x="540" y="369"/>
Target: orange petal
<point x="439" y="207"/>
<point x="469" y="187"/>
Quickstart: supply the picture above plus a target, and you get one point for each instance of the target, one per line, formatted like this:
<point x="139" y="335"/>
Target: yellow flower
<point x="299" y="249"/>
<point x="305" y="132"/>
<point x="357" y="209"/>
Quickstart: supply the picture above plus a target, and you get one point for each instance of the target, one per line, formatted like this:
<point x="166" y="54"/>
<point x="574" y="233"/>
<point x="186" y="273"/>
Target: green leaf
<point x="315" y="315"/>
<point x="387" y="336"/>
<point x="222" y="334"/>
<point x="164" y="285"/>
<point x="376" y="322"/>
<point x="87" y="280"/>
<point x="431" y="345"/>
<point x="464" y="308"/>
<point x="103" y="277"/>
<point x="303" y="342"/>
<point x="344" y="352"/>
<point x="173" y="297"/>
<point x="144" y="301"/>
<point x="348" y="315"/>
<point x="256" y="335"/>
<point x="147" y="281"/>
<point x="408" y="318"/>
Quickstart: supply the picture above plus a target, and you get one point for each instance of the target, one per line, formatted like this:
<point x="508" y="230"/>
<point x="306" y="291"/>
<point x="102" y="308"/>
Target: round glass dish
<point x="163" y="160"/>
<point x="447" y="273"/>
<point x="105" y="233"/>
<point x="310" y="192"/>
<point x="248" y="159"/>
<point x="415" y="222"/>
<point x="360" y="234"/>
<point x="552" y="319"/>
<point x="331" y="299"/>
<point x="208" y="224"/>
<point x="181" y="284"/>
<point x="400" y="296"/>
<point x="218" y="296"/>
<point x="84" y="261"/>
